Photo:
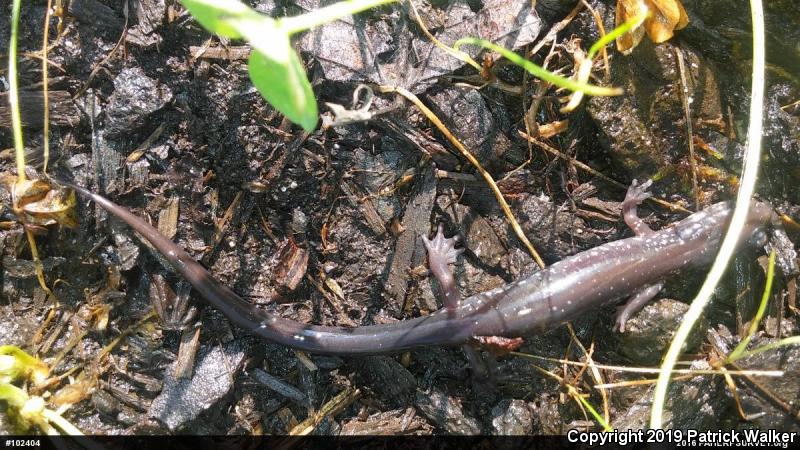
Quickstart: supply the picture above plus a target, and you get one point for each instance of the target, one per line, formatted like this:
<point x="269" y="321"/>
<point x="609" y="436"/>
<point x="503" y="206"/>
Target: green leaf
<point x="217" y="15"/>
<point x="285" y="86"/>
<point x="278" y="73"/>
<point x="274" y="67"/>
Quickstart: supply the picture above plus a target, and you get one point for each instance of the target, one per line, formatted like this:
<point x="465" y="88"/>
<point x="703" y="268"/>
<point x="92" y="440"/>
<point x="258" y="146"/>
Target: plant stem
<point x="62" y="423"/>
<point x="762" y="308"/>
<point x="45" y="82"/>
<point x="13" y="93"/>
<point x="746" y="188"/>
<point x="539" y="72"/>
<point x="327" y="14"/>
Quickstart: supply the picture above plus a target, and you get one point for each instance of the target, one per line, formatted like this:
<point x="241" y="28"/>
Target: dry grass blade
<point x="333" y="407"/>
<point x="471" y="158"/>
<point x="108" y="57"/>
<point x="45" y="88"/>
<point x="458" y="54"/>
<point x="760" y="373"/>
<point x="580" y="165"/>
<point x="688" y="116"/>
<point x="598" y="378"/>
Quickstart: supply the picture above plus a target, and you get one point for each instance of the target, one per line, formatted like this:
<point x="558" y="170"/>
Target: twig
<point x="333" y="407"/>
<point x="471" y="158"/>
<point x="598" y="378"/>
<point x="580" y="165"/>
<point x="688" y="117"/>
<point x="45" y="88"/>
<point x="113" y="51"/>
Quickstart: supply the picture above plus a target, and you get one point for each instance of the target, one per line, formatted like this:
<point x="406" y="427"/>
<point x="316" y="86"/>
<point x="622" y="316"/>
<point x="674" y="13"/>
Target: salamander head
<point x="761" y="215"/>
<point x="708" y="226"/>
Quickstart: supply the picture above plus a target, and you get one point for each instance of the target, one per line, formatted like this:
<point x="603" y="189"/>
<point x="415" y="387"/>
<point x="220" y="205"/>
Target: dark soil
<point x="325" y="227"/>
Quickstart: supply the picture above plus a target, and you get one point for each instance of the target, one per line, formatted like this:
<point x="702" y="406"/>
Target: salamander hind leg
<point x="441" y="253"/>
<point x="637" y="193"/>
<point x="634" y="304"/>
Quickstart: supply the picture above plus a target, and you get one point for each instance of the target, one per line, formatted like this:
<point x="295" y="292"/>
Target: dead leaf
<point x="663" y="18"/>
<point x="38" y="203"/>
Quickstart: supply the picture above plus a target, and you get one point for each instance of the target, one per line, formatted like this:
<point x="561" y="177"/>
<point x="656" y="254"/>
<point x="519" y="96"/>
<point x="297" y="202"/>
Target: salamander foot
<point x="637" y="193"/>
<point x="441" y="253"/>
<point x="442" y="249"/>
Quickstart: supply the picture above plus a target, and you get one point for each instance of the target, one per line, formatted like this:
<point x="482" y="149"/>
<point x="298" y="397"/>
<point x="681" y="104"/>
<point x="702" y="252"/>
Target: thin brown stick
<point x="555" y="29"/>
<point x="599" y="21"/>
<point x="333" y="407"/>
<point x="45" y="87"/>
<point x="113" y="51"/>
<point x="580" y="165"/>
<point x="474" y="161"/>
<point x="598" y="378"/>
<point x="688" y="115"/>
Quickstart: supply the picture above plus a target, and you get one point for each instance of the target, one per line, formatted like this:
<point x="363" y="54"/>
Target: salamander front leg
<point x="442" y="253"/>
<point x="637" y="193"/>
<point x="635" y="303"/>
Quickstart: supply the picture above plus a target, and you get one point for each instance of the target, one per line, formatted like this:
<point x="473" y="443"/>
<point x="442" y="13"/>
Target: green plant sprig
<point x="274" y="66"/>
<point x="539" y="71"/>
<point x="27" y="410"/>
<point x="609" y="37"/>
<point x="762" y="308"/>
<point x="13" y="93"/>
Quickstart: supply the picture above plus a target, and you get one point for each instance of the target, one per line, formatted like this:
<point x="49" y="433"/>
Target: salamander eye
<point x="758" y="238"/>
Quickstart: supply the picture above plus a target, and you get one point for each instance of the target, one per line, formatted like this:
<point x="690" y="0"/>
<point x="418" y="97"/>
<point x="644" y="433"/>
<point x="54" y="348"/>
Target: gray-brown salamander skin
<point x="535" y="304"/>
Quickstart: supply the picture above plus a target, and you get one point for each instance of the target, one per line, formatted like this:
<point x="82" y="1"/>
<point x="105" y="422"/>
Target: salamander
<point x="631" y="267"/>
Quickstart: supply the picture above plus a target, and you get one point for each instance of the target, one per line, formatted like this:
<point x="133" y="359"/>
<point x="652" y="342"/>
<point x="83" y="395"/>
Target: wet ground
<point x="153" y="112"/>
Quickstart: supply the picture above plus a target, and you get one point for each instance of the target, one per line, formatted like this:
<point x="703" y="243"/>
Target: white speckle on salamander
<point x="524" y="312"/>
<point x="299" y="337"/>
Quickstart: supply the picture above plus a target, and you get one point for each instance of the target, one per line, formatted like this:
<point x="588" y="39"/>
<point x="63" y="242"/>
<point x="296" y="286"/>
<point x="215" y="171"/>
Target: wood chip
<point x="31" y="105"/>
<point x="408" y="250"/>
<point x="168" y="218"/>
<point x="225" y="53"/>
<point x="279" y="386"/>
<point x="184" y="363"/>
<point x="367" y="208"/>
<point x="291" y="265"/>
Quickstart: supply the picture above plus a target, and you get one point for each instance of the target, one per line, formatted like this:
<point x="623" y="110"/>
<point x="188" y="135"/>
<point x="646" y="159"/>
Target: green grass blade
<point x="538" y="71"/>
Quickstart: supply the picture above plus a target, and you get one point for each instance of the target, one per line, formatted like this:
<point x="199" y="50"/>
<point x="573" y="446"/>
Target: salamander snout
<point x="761" y="215"/>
